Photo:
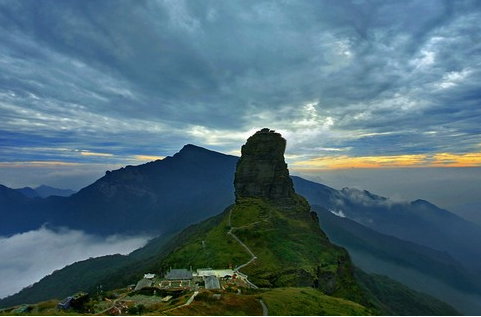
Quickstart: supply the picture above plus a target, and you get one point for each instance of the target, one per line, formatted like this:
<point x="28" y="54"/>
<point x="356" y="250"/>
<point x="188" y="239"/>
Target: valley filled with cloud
<point x="27" y="257"/>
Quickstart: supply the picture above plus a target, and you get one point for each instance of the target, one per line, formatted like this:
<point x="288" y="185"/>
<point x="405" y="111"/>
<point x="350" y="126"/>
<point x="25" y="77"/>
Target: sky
<point x="89" y="86"/>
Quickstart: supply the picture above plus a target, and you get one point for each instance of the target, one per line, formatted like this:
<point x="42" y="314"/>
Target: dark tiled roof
<point x="143" y="283"/>
<point x="179" y="274"/>
<point x="211" y="282"/>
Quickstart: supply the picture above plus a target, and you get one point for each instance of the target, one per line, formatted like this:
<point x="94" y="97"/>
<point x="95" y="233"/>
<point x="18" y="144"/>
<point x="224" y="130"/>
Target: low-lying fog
<point x="29" y="256"/>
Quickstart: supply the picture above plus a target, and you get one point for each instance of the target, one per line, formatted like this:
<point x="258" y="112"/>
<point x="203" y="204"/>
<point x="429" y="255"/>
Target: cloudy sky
<point x="87" y="86"/>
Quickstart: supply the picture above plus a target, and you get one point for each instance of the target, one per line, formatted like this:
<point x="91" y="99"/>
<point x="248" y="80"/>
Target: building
<point x="76" y="301"/>
<point x="211" y="282"/>
<point x="65" y="303"/>
<point x="179" y="274"/>
<point x="217" y="273"/>
<point x="142" y="284"/>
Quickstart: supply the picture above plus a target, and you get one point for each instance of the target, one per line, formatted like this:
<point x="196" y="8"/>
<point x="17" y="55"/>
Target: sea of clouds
<point x="29" y="256"/>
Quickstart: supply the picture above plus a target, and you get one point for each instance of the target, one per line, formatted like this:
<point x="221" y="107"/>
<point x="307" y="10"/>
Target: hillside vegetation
<point x="291" y="249"/>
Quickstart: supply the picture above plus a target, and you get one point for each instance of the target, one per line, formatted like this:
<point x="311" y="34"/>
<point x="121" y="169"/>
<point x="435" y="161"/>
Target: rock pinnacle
<point x="262" y="171"/>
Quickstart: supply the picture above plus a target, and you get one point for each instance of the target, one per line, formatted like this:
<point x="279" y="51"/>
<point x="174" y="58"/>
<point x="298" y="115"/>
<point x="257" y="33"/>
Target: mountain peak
<point x="262" y="171"/>
<point x="195" y="152"/>
<point x="191" y="147"/>
<point x="46" y="191"/>
<point x="422" y="202"/>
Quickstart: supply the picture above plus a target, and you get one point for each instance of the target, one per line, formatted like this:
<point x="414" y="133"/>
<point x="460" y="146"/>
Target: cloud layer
<point x="110" y="82"/>
<point x="446" y="187"/>
<point x="29" y="256"/>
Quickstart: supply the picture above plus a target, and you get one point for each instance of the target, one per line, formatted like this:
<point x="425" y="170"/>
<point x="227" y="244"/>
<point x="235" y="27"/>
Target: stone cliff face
<point x="291" y="248"/>
<point x="262" y="172"/>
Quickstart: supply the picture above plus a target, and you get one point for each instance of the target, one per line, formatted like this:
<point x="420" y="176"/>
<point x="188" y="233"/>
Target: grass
<point x="309" y="302"/>
<point x="45" y="308"/>
<point x="290" y="247"/>
<point x="229" y="304"/>
<point x="279" y="302"/>
<point x="212" y="248"/>
<point x="248" y="211"/>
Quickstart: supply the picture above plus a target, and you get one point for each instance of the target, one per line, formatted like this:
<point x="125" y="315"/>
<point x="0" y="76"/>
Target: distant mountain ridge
<point x="470" y="211"/>
<point x="45" y="191"/>
<point x="412" y="264"/>
<point x="418" y="221"/>
<point x="28" y="192"/>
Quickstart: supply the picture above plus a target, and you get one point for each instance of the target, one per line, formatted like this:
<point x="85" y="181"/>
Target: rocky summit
<point x="262" y="172"/>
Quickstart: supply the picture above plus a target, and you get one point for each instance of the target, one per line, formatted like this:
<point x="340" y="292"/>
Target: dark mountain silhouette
<point x="46" y="191"/>
<point x="19" y="213"/>
<point x="28" y="192"/>
<point x="156" y="197"/>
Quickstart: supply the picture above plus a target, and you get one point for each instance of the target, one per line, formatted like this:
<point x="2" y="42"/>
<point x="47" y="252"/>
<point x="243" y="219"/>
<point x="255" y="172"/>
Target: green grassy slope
<point x="394" y="298"/>
<point x="286" y="301"/>
<point x="309" y="302"/>
<point x="207" y="248"/>
<point x="291" y="249"/>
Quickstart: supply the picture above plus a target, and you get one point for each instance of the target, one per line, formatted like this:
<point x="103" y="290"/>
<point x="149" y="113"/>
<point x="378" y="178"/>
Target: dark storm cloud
<point x="366" y="77"/>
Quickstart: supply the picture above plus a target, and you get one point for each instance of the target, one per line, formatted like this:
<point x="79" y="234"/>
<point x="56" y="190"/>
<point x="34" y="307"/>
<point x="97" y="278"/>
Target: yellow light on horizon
<point x="457" y="160"/>
<point x="38" y="164"/>
<point x="392" y="161"/>
<point x="148" y="157"/>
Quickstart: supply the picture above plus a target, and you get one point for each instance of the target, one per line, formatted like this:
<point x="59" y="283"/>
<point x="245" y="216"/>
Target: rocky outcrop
<point x="262" y="172"/>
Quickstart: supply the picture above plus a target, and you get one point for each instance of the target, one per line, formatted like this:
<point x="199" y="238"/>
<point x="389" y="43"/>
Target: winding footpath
<point x="189" y="301"/>
<point x="114" y="303"/>
<point x="254" y="257"/>
<point x="265" y="311"/>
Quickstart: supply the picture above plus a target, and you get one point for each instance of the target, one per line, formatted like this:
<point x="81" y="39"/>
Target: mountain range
<point x="44" y="191"/>
<point x="167" y="195"/>
<point x="418" y="221"/>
